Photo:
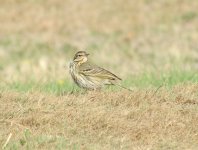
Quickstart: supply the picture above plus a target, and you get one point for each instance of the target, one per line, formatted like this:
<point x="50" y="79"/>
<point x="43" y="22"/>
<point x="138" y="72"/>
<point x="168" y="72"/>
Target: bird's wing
<point x="95" y="71"/>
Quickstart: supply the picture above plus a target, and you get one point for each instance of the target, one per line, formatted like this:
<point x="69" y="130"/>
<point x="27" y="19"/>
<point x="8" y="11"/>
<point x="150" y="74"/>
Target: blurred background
<point x="128" y="37"/>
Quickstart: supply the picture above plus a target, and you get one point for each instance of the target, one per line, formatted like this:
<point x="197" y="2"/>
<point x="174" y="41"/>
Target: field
<point x="151" y="45"/>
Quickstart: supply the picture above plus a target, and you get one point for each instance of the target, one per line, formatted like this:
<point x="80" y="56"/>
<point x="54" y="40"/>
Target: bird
<point x="90" y="76"/>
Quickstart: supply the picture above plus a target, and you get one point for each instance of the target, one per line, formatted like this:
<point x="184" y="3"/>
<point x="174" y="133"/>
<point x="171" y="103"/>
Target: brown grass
<point x="42" y="36"/>
<point x="141" y="119"/>
<point x="37" y="40"/>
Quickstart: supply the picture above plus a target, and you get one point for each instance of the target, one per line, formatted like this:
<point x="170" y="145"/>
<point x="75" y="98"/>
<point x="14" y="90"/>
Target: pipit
<point x="90" y="76"/>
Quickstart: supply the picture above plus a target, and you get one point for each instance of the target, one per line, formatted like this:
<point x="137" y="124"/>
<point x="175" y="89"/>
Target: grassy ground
<point x="148" y="44"/>
<point x="145" y="80"/>
<point x="142" y="119"/>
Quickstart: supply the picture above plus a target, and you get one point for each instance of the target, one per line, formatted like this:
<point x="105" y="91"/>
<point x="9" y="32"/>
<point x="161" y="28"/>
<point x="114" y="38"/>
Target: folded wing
<point x="91" y="70"/>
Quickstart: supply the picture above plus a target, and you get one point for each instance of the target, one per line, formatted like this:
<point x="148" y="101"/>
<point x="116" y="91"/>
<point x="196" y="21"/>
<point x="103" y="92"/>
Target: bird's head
<point x="80" y="57"/>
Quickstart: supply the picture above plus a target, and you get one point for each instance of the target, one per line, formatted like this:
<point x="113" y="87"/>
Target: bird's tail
<point x="123" y="87"/>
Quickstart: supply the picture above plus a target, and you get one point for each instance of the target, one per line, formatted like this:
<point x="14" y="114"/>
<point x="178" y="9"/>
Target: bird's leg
<point x="83" y="91"/>
<point x="96" y="90"/>
<point x="72" y="92"/>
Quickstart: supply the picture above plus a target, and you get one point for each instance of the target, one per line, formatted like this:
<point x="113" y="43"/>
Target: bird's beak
<point x="87" y="54"/>
<point x="77" y="59"/>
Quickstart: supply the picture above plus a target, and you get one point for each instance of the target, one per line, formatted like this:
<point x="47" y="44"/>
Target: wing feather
<point x="95" y="71"/>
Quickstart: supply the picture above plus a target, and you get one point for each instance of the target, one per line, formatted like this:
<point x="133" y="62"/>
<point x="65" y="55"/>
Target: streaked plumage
<point x="89" y="76"/>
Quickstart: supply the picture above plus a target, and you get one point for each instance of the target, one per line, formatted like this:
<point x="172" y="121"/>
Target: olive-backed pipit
<point x="89" y="76"/>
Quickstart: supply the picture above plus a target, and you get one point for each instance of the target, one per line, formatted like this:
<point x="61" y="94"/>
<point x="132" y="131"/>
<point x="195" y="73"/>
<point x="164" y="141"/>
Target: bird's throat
<point x="81" y="62"/>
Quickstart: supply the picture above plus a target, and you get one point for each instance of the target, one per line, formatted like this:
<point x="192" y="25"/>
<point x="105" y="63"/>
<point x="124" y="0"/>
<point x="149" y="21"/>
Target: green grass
<point x="169" y="79"/>
<point x="55" y="87"/>
<point x="29" y="141"/>
<point x="147" y="79"/>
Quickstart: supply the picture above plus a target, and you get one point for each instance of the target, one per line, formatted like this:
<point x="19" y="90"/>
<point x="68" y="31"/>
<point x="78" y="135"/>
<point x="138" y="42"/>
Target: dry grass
<point x="151" y="42"/>
<point x="106" y="120"/>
